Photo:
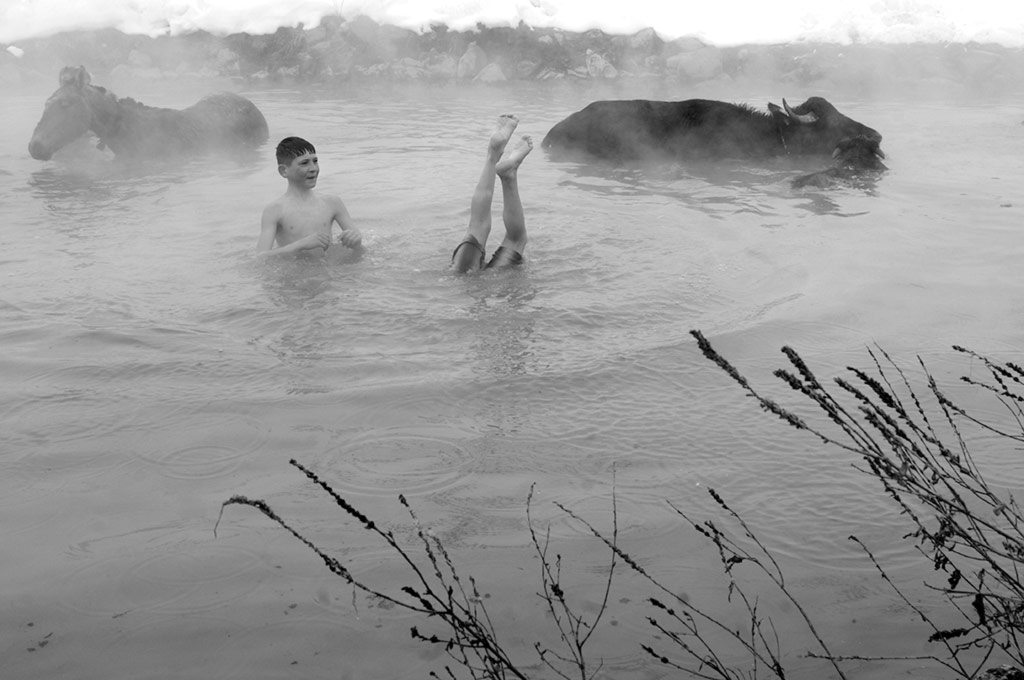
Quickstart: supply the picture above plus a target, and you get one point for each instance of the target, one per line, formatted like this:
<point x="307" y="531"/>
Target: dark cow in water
<point x="857" y="157"/>
<point x="127" y="127"/>
<point x="639" y="129"/>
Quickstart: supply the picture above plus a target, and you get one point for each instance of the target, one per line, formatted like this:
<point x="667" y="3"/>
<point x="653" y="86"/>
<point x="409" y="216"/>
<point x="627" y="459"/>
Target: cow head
<point x="816" y="126"/>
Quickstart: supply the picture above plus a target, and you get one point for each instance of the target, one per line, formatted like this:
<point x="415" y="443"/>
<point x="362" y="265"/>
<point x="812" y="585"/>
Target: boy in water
<point x="469" y="255"/>
<point x="300" y="221"/>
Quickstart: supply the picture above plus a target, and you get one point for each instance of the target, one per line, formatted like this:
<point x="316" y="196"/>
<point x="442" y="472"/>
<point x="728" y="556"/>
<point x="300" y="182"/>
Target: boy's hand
<point x="351" y="238"/>
<point x="314" y="241"/>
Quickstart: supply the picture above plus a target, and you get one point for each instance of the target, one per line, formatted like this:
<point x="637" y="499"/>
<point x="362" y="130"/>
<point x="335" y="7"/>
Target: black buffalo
<point x="857" y="157"/>
<point x="701" y="128"/>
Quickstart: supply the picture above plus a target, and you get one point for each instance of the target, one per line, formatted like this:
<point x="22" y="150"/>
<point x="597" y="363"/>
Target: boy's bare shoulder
<point x="335" y="203"/>
<point x="275" y="207"/>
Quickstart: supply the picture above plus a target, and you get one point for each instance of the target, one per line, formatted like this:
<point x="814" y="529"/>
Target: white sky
<point x="720" y="22"/>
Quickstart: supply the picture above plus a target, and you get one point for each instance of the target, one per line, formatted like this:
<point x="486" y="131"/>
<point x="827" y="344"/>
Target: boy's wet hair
<point x="291" y="148"/>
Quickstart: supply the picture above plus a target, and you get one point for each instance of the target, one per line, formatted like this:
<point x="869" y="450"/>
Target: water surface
<point x="152" y="369"/>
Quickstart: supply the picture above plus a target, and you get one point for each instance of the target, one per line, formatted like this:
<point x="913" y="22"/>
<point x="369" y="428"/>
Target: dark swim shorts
<point x="503" y="257"/>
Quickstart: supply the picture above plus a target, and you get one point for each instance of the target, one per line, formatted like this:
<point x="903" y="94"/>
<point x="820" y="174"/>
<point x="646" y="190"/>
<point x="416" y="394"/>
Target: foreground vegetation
<point x="914" y="441"/>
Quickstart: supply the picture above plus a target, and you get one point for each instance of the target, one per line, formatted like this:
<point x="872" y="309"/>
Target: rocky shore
<point x="341" y="51"/>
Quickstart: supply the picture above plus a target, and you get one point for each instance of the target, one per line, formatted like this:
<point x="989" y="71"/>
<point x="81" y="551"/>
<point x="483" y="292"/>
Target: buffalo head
<point x="67" y="114"/>
<point x="816" y="127"/>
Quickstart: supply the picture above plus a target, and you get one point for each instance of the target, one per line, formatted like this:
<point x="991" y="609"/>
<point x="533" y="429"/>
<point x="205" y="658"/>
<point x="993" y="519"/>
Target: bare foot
<point x="514" y="158"/>
<point x="506" y="126"/>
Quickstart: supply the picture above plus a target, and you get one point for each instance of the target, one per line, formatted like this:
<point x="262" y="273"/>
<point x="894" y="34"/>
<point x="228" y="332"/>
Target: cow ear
<point x="835" y="152"/>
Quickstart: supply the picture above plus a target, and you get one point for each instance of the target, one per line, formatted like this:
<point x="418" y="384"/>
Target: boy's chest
<point x="306" y="219"/>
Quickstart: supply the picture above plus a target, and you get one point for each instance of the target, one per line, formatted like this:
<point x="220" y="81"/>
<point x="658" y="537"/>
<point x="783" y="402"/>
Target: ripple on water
<point x="412" y="460"/>
<point x="193" y="446"/>
<point x="66" y="415"/>
<point x="183" y="576"/>
<point x="29" y="497"/>
<point x="292" y="637"/>
<point x="635" y="506"/>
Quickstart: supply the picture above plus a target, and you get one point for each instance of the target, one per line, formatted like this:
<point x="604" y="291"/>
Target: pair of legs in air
<point x="470" y="255"/>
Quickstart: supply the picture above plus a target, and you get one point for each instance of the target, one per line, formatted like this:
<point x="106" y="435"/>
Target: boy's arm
<point x="268" y="230"/>
<point x="268" y="235"/>
<point x="350" y="235"/>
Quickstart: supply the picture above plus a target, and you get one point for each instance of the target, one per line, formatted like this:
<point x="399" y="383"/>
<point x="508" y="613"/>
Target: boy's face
<point x="301" y="171"/>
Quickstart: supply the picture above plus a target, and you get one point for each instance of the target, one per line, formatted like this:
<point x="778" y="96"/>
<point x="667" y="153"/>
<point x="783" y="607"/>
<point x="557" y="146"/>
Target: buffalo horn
<point x="802" y="117"/>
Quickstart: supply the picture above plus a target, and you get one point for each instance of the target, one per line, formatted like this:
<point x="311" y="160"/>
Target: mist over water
<point x="719" y="23"/>
<point x="151" y="369"/>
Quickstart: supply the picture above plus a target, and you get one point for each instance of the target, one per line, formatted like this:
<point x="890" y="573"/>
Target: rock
<point x="701" y="64"/>
<point x="334" y="57"/>
<point x="685" y="45"/>
<point x="362" y="49"/>
<point x="553" y="74"/>
<point x="756" y="62"/>
<point x="318" y="34"/>
<point x="471" y="62"/>
<point x="646" y="41"/>
<point x="382" y="43"/>
<point x="408" y="68"/>
<point x="491" y="73"/>
<point x="598" y="66"/>
<point x="526" y="69"/>
<point x="364" y="28"/>
<point x="442" y="66"/>
<point x="226" y="58"/>
<point x="640" y="53"/>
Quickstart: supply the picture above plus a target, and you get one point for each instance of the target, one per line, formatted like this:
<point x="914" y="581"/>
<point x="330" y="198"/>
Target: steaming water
<point x="984" y="21"/>
<point x="152" y="370"/>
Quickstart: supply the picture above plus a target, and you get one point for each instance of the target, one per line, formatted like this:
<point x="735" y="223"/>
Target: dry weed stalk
<point x="970" y="532"/>
<point x="470" y="638"/>
<point x="440" y="593"/>
<point x="703" y="637"/>
<point x="573" y="629"/>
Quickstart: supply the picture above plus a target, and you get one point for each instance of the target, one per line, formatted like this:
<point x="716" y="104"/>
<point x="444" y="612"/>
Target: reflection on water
<point x="153" y="369"/>
<point x="503" y="320"/>
<point x="721" y="189"/>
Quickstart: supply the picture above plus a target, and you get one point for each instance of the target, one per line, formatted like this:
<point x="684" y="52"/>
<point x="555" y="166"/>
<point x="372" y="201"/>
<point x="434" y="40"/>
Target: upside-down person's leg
<point x="514" y="244"/>
<point x="469" y="255"/>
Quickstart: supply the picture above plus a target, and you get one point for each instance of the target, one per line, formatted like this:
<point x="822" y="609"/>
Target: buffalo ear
<point x="76" y="77"/>
<point x="778" y="114"/>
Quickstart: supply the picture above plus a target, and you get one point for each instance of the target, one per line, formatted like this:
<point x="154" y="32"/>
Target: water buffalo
<point x="857" y="157"/>
<point x="127" y="127"/>
<point x="701" y="128"/>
